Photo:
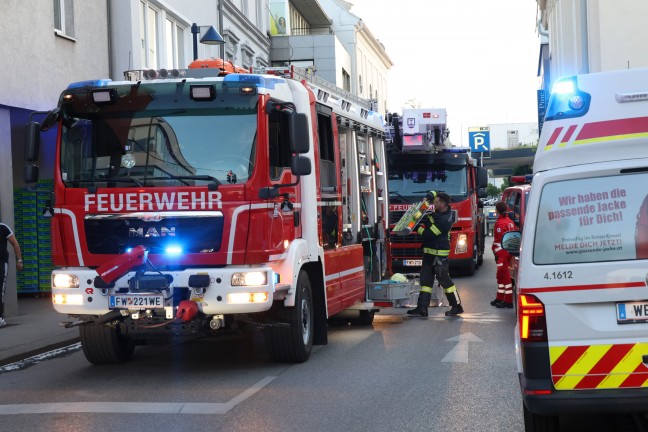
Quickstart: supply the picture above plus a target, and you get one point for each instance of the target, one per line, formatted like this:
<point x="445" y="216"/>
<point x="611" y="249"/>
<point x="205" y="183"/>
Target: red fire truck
<point x="206" y="202"/>
<point x="418" y="161"/>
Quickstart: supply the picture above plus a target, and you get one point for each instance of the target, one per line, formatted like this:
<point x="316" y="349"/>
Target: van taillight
<point x="533" y="323"/>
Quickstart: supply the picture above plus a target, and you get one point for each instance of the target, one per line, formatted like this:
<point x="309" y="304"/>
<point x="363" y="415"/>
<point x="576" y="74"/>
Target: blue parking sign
<point x="479" y="141"/>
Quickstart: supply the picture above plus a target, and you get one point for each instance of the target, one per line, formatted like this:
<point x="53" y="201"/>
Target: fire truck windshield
<point x="413" y="184"/>
<point x="157" y="136"/>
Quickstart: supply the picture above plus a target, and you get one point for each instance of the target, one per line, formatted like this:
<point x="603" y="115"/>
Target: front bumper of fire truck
<point x="231" y="290"/>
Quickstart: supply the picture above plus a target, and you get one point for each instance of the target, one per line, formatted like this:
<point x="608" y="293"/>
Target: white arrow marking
<point x="459" y="354"/>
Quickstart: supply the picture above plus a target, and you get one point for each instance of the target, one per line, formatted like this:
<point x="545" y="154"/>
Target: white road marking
<point x="135" y="408"/>
<point x="30" y="361"/>
<point x="436" y="314"/>
<point x="459" y="354"/>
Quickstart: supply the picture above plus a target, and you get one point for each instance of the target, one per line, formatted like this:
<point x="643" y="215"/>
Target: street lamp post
<point x="211" y="37"/>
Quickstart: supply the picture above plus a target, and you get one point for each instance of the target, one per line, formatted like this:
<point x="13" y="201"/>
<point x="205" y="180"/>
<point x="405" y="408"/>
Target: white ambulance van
<point x="582" y="294"/>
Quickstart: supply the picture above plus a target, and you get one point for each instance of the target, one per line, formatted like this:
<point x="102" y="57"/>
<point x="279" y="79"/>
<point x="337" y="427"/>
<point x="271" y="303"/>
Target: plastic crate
<point x="387" y="291"/>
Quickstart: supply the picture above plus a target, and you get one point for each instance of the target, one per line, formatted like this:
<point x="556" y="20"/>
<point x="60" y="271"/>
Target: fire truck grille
<point x="409" y="253"/>
<point x="394" y="216"/>
<point x="117" y="234"/>
<point x="412" y="238"/>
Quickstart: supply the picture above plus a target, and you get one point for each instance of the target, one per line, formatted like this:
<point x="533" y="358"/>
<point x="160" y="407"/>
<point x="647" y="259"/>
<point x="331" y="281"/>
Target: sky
<point x="476" y="58"/>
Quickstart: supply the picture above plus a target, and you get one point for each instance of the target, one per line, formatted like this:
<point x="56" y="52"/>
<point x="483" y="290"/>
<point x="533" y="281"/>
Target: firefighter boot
<point x="455" y="302"/>
<point x="421" y="308"/>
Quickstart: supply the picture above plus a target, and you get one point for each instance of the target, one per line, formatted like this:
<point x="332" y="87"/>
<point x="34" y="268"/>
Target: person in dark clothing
<point x="7" y="237"/>
<point x="435" y="230"/>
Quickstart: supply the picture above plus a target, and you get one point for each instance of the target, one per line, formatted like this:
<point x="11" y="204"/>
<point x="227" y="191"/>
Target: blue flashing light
<point x="247" y="78"/>
<point x="89" y="83"/>
<point x="563" y="87"/>
<point x="261" y="81"/>
<point x="567" y="100"/>
<point x="456" y="150"/>
<point x="129" y="250"/>
<point x="173" y="250"/>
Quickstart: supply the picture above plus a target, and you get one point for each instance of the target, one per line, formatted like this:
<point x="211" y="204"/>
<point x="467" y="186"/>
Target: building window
<point x="173" y="41"/>
<point x="512" y="138"/>
<point x="248" y="56"/>
<point x="231" y="45"/>
<point x="346" y="80"/>
<point x="149" y="35"/>
<point x="64" y="17"/>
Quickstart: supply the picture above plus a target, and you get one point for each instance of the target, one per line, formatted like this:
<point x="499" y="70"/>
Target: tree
<point x="492" y="190"/>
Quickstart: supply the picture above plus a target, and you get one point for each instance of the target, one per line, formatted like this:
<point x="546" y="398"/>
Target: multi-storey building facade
<point x="586" y="36"/>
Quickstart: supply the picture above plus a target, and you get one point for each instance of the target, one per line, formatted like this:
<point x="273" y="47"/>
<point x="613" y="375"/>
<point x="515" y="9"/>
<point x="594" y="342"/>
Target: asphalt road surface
<point x="401" y="374"/>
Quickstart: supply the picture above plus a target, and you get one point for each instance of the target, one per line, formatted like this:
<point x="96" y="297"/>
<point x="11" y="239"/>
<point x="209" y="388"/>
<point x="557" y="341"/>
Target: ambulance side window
<point x="279" y="151"/>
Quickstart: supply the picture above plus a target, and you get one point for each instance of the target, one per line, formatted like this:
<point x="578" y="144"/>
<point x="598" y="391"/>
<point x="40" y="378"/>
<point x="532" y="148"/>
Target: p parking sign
<point x="479" y="139"/>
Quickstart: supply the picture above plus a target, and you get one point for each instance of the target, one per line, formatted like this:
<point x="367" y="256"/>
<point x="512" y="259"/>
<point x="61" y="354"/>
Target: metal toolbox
<point x="387" y="290"/>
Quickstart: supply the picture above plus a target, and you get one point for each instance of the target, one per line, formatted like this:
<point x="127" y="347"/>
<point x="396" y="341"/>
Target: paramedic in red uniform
<point x="503" y="225"/>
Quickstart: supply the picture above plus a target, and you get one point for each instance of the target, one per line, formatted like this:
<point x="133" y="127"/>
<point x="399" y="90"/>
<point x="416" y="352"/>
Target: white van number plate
<point x="136" y="302"/>
<point x="413" y="263"/>
<point x="632" y="312"/>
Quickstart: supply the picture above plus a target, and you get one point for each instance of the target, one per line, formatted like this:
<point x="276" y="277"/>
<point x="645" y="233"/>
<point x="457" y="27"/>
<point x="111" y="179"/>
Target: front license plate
<point x="413" y="263"/>
<point x="632" y="312"/>
<point x="136" y="302"/>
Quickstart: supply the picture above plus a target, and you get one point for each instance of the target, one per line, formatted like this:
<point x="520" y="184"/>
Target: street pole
<point x="220" y="27"/>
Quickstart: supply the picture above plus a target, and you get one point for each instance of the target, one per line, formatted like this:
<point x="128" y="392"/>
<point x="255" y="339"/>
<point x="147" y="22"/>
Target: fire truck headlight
<point x="67" y="299"/>
<point x="254" y="278"/>
<point x="64" y="280"/>
<point x="462" y="244"/>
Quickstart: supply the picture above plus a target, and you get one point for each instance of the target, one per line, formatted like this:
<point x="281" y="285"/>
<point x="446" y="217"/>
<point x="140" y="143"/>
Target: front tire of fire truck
<point x="103" y="344"/>
<point x="539" y="423"/>
<point x="471" y="266"/>
<point x="293" y="343"/>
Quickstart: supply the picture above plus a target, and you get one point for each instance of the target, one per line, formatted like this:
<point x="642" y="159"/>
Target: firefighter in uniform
<point x="435" y="231"/>
<point x="503" y="225"/>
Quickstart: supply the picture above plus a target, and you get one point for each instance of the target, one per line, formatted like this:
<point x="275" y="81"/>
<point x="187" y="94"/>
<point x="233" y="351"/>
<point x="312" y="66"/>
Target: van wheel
<point x="294" y="342"/>
<point x="103" y="344"/>
<point x="539" y="423"/>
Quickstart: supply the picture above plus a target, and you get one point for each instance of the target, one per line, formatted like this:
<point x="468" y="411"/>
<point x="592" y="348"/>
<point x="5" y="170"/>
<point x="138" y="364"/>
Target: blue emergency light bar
<point x="89" y="83"/>
<point x="455" y="150"/>
<point x="521" y="179"/>
<point x="567" y="100"/>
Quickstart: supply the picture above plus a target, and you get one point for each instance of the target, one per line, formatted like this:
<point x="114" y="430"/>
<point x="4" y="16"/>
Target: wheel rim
<point x="305" y="321"/>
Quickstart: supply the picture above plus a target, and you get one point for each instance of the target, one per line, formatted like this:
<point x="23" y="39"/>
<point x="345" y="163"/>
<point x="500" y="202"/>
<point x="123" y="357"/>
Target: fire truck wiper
<point x="212" y="186"/>
<point x="400" y="196"/>
<point x="107" y="179"/>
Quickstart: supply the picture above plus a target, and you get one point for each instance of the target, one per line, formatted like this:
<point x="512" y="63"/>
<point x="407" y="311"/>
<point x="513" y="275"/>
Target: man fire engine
<point x="419" y="161"/>
<point x="193" y="202"/>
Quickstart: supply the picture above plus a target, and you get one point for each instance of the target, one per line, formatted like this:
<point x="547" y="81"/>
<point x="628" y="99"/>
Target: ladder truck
<point x="419" y="160"/>
<point x="212" y="201"/>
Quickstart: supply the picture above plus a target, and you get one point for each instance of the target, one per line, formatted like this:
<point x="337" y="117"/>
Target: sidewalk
<point x="34" y="330"/>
